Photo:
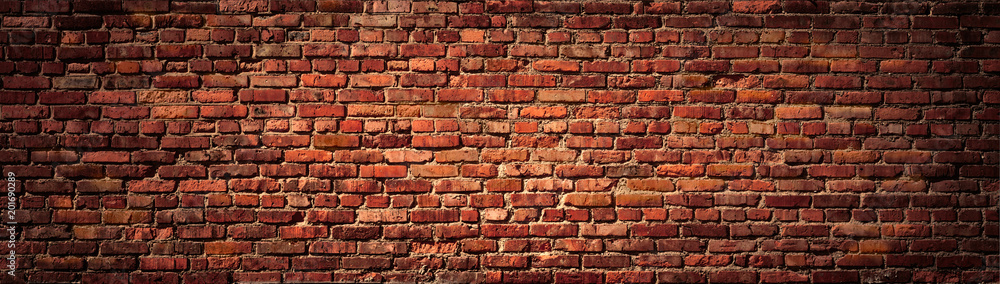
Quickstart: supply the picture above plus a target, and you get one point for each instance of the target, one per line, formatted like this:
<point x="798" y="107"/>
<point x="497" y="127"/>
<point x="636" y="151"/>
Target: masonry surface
<point x="502" y="141"/>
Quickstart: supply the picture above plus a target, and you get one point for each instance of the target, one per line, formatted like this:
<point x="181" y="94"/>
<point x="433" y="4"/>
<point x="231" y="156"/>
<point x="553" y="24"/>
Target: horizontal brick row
<point x="515" y="19"/>
<point x="588" y="276"/>
<point x="362" y="84"/>
<point x="670" y="158"/>
<point x="358" y="100"/>
<point x="517" y="170"/>
<point x="304" y="57"/>
<point x="501" y="193"/>
<point x="548" y="118"/>
<point x="501" y="7"/>
<point x="424" y="239"/>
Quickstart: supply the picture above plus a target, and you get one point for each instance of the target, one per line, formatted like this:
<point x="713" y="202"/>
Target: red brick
<point x="460" y="95"/>
<point x="707" y="66"/>
<point x="587" y="200"/>
<point x="596" y="261"/>
<point x="328" y="81"/>
<point x="700" y="185"/>
<point x="835" y="276"/>
<point x="578" y="171"/>
<point x="382" y="171"/>
<point x="834" y="51"/>
<point x="338" y="141"/>
<point x="518" y="80"/>
<point x="434" y="171"/>
<point x="370" y="80"/>
<point x="757" y="7"/>
<point x="584" y="81"/>
<point x="151" y="186"/>
<point x="799" y="112"/>
<point x="650" y="185"/>
<point x="735" y="52"/>
<point x="556" y="66"/>
<point x="445" y="141"/>
<point x="505" y="96"/>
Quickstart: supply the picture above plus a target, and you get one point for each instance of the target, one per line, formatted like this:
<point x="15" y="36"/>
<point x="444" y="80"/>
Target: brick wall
<point x="489" y="141"/>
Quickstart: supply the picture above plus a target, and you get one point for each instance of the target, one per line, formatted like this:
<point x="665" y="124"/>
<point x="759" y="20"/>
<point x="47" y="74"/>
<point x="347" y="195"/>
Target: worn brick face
<point x="502" y="141"/>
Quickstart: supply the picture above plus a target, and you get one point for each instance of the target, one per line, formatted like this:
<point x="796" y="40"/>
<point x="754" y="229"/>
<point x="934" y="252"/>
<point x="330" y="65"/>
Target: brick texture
<point x="502" y="141"/>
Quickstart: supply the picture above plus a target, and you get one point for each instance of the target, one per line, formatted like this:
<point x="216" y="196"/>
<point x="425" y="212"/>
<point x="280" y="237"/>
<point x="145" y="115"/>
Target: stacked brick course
<point x="502" y="141"/>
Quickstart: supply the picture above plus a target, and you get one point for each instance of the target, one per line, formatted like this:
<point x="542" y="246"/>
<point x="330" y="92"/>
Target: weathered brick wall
<point x="569" y="142"/>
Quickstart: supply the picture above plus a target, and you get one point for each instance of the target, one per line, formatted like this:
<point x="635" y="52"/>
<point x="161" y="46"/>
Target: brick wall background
<point x="502" y="141"/>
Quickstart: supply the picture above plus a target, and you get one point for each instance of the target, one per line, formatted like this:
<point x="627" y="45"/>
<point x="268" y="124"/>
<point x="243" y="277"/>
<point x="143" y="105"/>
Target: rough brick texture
<point x="502" y="141"/>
